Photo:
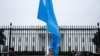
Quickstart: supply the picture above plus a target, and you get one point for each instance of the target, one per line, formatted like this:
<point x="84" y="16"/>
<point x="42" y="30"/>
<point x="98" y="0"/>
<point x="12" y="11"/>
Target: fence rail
<point x="32" y="38"/>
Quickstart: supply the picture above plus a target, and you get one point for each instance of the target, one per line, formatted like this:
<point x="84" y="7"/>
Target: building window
<point x="42" y="35"/>
<point x="26" y="39"/>
<point x="76" y="48"/>
<point x="50" y="36"/>
<point x="62" y="35"/>
<point x="69" y="48"/>
<point x="83" y="39"/>
<point x="13" y="39"/>
<point x="26" y="48"/>
<point x="90" y="49"/>
<point x="90" y="39"/>
<point x="43" y="49"/>
<point x="33" y="39"/>
<point x="76" y="39"/>
<point x="19" y="48"/>
<point x="83" y="49"/>
<point x="33" y="48"/>
<point x="13" y="45"/>
<point x="19" y="39"/>
<point x="69" y="39"/>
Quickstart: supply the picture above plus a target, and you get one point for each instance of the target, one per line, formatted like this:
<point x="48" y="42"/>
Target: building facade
<point x="34" y="38"/>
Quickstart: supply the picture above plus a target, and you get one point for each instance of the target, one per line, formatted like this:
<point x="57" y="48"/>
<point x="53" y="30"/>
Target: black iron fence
<point x="33" y="40"/>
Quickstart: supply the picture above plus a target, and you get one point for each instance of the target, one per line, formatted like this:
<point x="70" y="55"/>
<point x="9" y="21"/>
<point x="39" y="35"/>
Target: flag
<point x="46" y="14"/>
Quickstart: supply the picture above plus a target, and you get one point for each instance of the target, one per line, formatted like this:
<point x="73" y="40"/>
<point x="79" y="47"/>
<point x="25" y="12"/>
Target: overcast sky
<point x="68" y="12"/>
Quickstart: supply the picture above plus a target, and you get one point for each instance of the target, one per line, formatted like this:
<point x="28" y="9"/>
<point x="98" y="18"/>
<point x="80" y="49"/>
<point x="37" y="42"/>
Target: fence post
<point x="98" y="33"/>
<point x="10" y="35"/>
<point x="98" y="26"/>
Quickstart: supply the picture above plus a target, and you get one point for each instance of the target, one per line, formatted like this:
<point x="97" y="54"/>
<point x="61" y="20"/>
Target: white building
<point x="35" y="40"/>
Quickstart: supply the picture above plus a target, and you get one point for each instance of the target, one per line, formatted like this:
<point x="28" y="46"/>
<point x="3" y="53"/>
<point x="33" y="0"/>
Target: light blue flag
<point x="46" y="14"/>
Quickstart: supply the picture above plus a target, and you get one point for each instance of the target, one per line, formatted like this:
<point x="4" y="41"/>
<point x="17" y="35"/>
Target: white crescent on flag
<point x="44" y="2"/>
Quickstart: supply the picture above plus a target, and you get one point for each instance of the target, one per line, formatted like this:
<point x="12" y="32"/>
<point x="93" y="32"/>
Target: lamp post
<point x="98" y="34"/>
<point x="10" y="35"/>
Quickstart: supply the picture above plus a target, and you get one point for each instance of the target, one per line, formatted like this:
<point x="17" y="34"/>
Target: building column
<point x="46" y="44"/>
<point x="65" y="39"/>
<point x="37" y="42"/>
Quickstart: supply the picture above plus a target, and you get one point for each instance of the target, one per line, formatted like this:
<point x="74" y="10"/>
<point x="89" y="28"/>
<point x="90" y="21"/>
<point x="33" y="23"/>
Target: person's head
<point x="51" y="51"/>
<point x="73" y="51"/>
<point x="11" y="50"/>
